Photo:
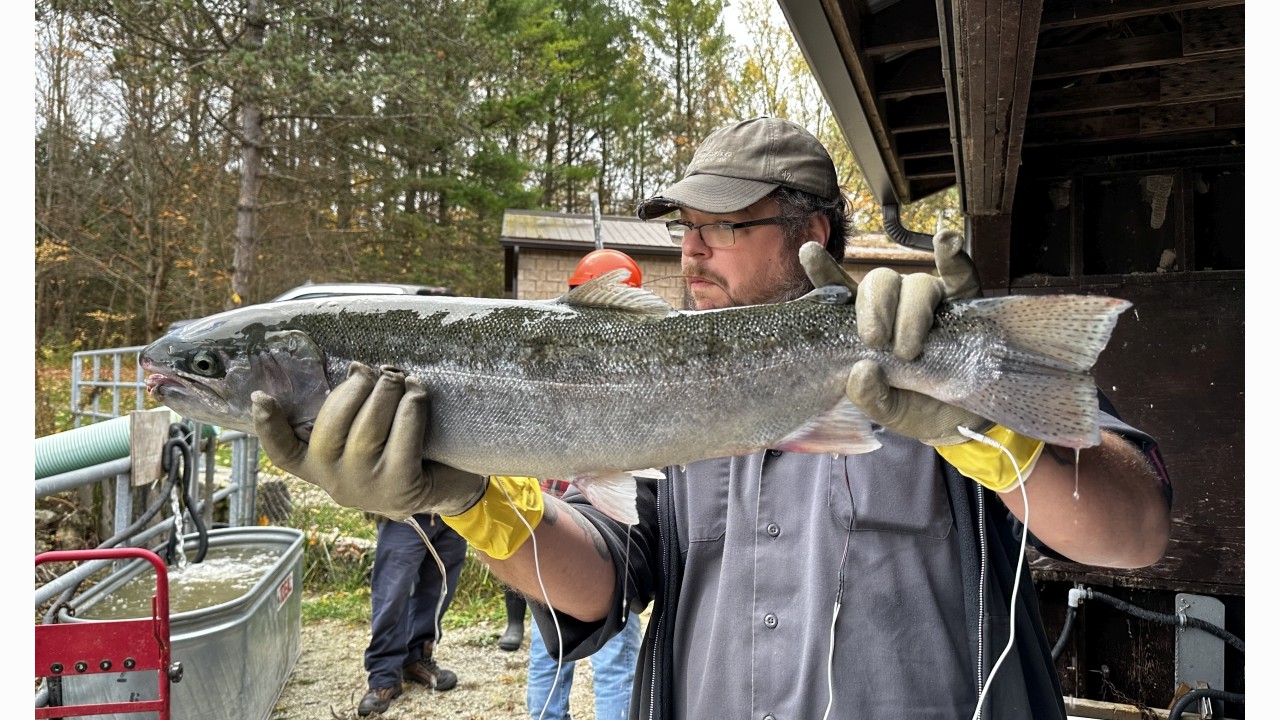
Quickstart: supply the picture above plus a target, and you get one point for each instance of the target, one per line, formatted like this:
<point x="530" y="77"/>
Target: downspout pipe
<point x="892" y="221"/>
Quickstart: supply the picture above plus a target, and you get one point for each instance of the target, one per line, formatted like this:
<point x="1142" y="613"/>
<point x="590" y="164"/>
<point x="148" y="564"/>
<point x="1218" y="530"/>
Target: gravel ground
<point x="329" y="679"/>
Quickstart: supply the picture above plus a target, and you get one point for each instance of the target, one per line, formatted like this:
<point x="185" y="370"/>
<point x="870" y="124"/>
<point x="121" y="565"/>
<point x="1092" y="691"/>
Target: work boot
<point x="427" y="672"/>
<point x="514" y="634"/>
<point x="378" y="700"/>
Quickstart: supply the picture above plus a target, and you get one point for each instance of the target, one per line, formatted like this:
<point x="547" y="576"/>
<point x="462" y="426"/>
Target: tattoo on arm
<point x="553" y="509"/>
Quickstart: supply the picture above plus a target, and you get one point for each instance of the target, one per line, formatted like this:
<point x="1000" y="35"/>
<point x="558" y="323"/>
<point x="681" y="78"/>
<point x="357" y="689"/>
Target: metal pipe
<point x="84" y="476"/>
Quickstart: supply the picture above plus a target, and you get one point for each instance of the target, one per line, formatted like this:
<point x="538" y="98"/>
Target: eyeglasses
<point x="715" y="234"/>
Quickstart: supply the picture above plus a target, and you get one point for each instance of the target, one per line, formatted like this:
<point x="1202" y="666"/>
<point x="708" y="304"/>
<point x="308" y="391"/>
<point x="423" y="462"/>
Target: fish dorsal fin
<point x="607" y="291"/>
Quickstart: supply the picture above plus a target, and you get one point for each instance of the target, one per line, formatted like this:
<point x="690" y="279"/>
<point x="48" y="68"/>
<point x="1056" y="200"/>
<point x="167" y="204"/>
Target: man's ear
<point x="819" y="229"/>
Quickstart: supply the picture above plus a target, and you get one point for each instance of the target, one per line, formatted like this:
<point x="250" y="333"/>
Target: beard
<point x="788" y="282"/>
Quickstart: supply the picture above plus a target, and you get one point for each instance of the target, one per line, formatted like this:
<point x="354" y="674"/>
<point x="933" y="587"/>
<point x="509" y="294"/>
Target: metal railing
<point x="106" y="384"/>
<point x="120" y="382"/>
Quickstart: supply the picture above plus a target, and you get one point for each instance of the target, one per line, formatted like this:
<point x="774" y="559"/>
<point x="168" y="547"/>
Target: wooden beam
<point x="926" y="143"/>
<point x="990" y="237"/>
<point x="1094" y="97"/>
<point x="1218" y="79"/>
<point x="1212" y="31"/>
<point x="1205" y="80"/>
<point x="920" y="112"/>
<point x="901" y="27"/>
<point x="1154" y="121"/>
<point x="844" y="21"/>
<point x="996" y="43"/>
<point x="929" y="167"/>
<point x="1070" y="13"/>
<point x="923" y="187"/>
<point x="1117" y="54"/>
<point x="917" y="73"/>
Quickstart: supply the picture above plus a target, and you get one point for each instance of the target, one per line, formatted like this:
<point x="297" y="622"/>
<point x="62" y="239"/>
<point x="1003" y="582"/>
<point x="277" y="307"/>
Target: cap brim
<point x="706" y="193"/>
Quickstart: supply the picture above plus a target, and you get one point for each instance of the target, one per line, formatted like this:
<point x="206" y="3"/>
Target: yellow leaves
<point x="236" y="299"/>
<point x="48" y="252"/>
<point x="105" y="317"/>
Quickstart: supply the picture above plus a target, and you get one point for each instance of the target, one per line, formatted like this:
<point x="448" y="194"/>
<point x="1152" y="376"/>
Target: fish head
<point x="208" y="370"/>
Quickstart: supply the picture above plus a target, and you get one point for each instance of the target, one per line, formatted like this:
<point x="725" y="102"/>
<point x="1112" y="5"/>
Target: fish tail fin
<point x="1043" y="388"/>
<point x="614" y="493"/>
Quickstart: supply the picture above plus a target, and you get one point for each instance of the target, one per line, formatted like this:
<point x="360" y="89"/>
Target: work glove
<point x="366" y="449"/>
<point x="895" y="312"/>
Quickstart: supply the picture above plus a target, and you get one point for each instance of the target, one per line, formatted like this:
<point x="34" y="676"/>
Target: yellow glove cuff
<point x="989" y="466"/>
<point x="493" y="525"/>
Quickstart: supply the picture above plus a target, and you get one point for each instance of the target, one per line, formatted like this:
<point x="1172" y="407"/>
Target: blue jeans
<point x="406" y="587"/>
<point x="613" y="666"/>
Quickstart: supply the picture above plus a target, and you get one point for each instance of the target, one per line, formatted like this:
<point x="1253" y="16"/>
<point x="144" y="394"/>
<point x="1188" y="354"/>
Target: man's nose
<point x="692" y="245"/>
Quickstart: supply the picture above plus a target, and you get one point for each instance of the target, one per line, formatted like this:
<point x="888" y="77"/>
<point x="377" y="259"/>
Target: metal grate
<point x="106" y="384"/>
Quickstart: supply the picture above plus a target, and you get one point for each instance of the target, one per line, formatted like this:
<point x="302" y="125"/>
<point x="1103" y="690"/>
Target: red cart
<point x="109" y="646"/>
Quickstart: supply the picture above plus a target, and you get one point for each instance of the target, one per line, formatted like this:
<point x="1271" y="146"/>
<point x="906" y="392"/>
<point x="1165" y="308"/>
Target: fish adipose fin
<point x="613" y="492"/>
<point x="607" y="291"/>
<point x="1051" y="342"/>
<point x="843" y="429"/>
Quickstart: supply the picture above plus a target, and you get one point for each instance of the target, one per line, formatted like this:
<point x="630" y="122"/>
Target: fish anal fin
<point x="608" y="291"/>
<point x="614" y="493"/>
<point x="843" y="429"/>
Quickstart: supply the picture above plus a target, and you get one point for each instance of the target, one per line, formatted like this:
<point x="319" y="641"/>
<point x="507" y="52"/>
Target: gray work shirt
<point x="770" y="537"/>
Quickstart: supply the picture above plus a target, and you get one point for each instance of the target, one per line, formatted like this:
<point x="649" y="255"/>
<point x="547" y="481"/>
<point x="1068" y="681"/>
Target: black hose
<point x="1169" y="619"/>
<point x="1185" y="701"/>
<point x="1066" y="632"/>
<point x="179" y="448"/>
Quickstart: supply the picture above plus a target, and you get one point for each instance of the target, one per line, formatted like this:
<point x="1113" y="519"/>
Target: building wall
<point x="544" y="274"/>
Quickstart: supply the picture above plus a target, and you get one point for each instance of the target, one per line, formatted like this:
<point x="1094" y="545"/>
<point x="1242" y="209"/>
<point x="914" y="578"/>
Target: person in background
<point x="614" y="664"/>
<point x="787" y="584"/>
<point x="409" y="599"/>
<point x="511" y="638"/>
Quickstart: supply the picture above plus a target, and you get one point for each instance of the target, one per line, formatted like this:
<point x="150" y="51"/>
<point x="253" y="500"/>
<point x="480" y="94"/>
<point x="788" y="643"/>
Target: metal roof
<point x="570" y="231"/>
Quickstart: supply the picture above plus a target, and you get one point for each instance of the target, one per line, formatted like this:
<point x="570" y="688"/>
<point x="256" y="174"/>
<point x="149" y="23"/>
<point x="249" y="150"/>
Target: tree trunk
<point x="251" y="163"/>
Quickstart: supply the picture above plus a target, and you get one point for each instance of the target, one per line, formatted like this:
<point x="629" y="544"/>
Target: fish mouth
<point x="157" y="382"/>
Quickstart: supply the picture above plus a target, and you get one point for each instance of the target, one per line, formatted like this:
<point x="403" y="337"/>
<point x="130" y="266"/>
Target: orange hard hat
<point x="598" y="262"/>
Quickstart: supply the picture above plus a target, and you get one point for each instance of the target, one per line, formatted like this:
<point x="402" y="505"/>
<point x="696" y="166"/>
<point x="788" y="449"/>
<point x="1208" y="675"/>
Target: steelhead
<point x="610" y="379"/>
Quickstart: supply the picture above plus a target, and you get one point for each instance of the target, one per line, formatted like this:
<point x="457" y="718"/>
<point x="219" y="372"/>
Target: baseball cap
<point x="739" y="164"/>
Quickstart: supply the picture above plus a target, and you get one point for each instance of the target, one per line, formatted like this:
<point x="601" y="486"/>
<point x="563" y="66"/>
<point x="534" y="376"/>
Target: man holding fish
<point x="792" y="582"/>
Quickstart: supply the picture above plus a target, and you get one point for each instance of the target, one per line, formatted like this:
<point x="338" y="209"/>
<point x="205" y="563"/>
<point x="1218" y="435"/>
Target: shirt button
<point x="771" y="620"/>
<point x="769" y="717"/>
<point x="775" y="453"/>
<point x="773" y="529"/>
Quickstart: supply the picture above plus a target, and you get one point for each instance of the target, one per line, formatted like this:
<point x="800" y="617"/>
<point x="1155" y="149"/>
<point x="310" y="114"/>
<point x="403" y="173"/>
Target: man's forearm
<point x="572" y="561"/>
<point x="1119" y="519"/>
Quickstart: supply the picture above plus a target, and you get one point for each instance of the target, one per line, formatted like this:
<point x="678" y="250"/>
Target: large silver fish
<point x="609" y="379"/>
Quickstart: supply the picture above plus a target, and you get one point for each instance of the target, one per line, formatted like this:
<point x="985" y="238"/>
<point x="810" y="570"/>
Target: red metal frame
<point x="84" y="648"/>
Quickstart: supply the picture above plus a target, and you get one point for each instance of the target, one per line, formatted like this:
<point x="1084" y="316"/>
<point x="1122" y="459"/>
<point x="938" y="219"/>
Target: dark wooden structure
<point x="1098" y="146"/>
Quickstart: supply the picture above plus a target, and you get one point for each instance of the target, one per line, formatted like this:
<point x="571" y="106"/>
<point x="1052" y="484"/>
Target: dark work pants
<point x="406" y="590"/>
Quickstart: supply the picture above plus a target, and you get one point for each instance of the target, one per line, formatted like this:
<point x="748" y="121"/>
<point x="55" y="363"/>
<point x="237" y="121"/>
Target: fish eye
<point x="205" y="363"/>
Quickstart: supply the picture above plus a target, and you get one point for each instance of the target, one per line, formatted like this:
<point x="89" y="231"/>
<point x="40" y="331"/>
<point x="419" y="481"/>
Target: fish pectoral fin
<point x="613" y="492"/>
<point x="607" y="291"/>
<point x="652" y="473"/>
<point x="843" y="429"/>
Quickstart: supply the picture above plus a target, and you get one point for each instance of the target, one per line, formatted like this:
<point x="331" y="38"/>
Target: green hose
<point x="90" y="445"/>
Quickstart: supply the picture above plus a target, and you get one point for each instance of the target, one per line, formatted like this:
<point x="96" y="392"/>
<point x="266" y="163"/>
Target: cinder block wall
<point x="544" y="274"/>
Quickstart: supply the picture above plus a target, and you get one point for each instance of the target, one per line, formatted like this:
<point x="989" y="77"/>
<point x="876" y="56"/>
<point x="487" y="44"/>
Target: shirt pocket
<point x="703" y="490"/>
<point x="897" y="488"/>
